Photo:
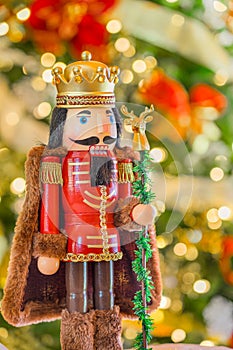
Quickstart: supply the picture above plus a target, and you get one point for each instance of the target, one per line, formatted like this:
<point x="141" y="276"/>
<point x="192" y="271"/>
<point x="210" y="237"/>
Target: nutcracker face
<point x="89" y="126"/>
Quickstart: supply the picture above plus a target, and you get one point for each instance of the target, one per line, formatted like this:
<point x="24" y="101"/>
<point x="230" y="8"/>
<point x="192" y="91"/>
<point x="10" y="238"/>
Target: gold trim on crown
<point x="85" y="83"/>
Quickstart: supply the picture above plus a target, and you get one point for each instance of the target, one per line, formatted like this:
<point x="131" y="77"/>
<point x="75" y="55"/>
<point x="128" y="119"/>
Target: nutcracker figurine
<point x="75" y="237"/>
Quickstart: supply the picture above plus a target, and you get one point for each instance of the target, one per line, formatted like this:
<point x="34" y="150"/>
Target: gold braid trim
<point x="125" y="172"/>
<point x="51" y="173"/>
<point x="93" y="257"/>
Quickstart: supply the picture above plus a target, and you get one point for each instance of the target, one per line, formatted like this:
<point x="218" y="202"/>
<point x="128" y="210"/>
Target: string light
<point x="224" y="213"/>
<point x="215" y="225"/>
<point x="114" y="26"/>
<point x="42" y="110"/>
<point x="151" y="62"/>
<point x="216" y="174"/>
<point x="127" y="76"/>
<point x="194" y="236"/>
<point x="12" y="118"/>
<point x="23" y="14"/>
<point x="158" y="155"/>
<point x="18" y="185"/>
<point x="3" y="333"/>
<point x="207" y="343"/>
<point x="161" y="242"/>
<point x="165" y="303"/>
<point x="212" y="215"/>
<point x="201" y="286"/>
<point x="180" y="249"/>
<point x="47" y="76"/>
<point x="122" y="44"/>
<point x="130" y="52"/>
<point x="4" y="28"/>
<point x="221" y="77"/>
<point x="139" y="66"/>
<point x="178" y="335"/>
<point x="192" y="253"/>
<point x="48" y="59"/>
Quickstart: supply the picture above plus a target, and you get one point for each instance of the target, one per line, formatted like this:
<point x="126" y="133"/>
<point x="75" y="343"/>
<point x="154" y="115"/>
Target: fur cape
<point x="31" y="297"/>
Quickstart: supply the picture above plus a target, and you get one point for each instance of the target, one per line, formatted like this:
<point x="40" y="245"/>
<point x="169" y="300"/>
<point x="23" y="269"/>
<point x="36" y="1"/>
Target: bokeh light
<point x="48" y="59"/>
<point x="47" y="76"/>
<point x="158" y="155"/>
<point x="4" y="28"/>
<point x="180" y="249"/>
<point x="216" y="174"/>
<point x="23" y="14"/>
<point x="224" y="213"/>
<point x="17" y="186"/>
<point x="178" y="335"/>
<point x="139" y="66"/>
<point x="126" y="76"/>
<point x="201" y="286"/>
<point x="114" y="26"/>
<point x="122" y="44"/>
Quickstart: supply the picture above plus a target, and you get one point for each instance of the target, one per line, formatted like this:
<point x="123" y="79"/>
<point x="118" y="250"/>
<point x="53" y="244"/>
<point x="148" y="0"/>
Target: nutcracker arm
<point x="49" y="244"/>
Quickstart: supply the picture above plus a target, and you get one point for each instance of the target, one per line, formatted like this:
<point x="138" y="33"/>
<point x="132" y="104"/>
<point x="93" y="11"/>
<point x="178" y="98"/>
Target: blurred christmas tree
<point x="175" y="54"/>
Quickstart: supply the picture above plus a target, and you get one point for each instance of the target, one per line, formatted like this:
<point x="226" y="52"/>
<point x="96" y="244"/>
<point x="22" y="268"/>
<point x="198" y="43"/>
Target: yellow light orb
<point x="48" y="59"/>
<point x="122" y="44"/>
<point x="3" y="333"/>
<point x="171" y="1"/>
<point x="177" y="306"/>
<point x="161" y="243"/>
<point x="215" y="225"/>
<point x="219" y="6"/>
<point x="207" y="343"/>
<point x="62" y="65"/>
<point x="4" y="28"/>
<point x="224" y="213"/>
<point x="178" y="20"/>
<point x="192" y="253"/>
<point x="130" y="52"/>
<point x="139" y="66"/>
<point x="114" y="26"/>
<point x="188" y="278"/>
<point x="221" y="77"/>
<point x="158" y="155"/>
<point x="17" y="186"/>
<point x="126" y="76"/>
<point x="47" y="76"/>
<point x="165" y="303"/>
<point x="151" y="62"/>
<point x="216" y="174"/>
<point x="212" y="215"/>
<point x="44" y="109"/>
<point x="38" y="84"/>
<point x="180" y="249"/>
<point x="178" y="335"/>
<point x="23" y="14"/>
<point x="201" y="286"/>
<point x="12" y="118"/>
<point x="130" y="333"/>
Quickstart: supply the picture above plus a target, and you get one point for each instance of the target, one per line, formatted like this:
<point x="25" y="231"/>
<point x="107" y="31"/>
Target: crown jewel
<point x="85" y="83"/>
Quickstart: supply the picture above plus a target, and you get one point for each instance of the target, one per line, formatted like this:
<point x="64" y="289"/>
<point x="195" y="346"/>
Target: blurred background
<point x="177" y="55"/>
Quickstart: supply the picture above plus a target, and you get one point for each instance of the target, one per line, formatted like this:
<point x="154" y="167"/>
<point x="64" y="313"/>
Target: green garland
<point x="142" y="190"/>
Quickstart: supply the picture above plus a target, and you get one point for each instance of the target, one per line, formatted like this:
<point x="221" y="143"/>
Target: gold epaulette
<point x="125" y="172"/>
<point x="51" y="173"/>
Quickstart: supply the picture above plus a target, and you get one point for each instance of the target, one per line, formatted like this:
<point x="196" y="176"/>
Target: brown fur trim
<point x="49" y="245"/>
<point x="21" y="251"/>
<point x="77" y="331"/>
<point x="59" y="151"/>
<point x="108" y="329"/>
<point x="126" y="152"/>
<point x="122" y="218"/>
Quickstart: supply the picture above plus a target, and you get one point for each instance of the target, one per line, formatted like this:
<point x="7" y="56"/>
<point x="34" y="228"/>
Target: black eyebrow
<point x="84" y="112"/>
<point x="109" y="111"/>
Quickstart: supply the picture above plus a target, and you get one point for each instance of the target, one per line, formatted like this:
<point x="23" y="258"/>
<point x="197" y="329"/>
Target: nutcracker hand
<point x="48" y="266"/>
<point x="144" y="214"/>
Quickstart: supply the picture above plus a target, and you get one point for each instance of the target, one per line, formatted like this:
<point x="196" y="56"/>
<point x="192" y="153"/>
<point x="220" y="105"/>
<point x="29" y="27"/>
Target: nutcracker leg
<point x="107" y="316"/>
<point x="103" y="285"/>
<point x="76" y="287"/>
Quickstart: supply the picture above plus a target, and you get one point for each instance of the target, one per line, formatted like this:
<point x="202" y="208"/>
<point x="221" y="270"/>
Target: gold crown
<point x="85" y="83"/>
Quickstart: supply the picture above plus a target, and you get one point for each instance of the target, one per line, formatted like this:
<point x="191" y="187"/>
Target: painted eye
<point x="83" y="120"/>
<point x="112" y="119"/>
